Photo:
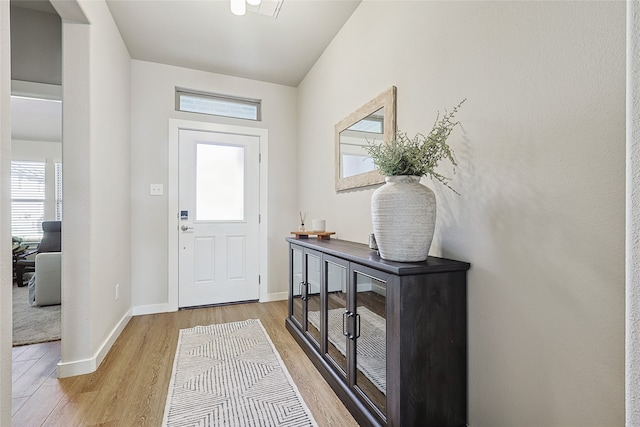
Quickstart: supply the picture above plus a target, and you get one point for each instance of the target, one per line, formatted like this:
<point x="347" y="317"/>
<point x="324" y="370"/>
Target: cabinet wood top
<point x="362" y="254"/>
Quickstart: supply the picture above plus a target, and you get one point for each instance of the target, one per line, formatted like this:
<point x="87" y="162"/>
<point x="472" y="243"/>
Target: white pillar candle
<point x="318" y="224"/>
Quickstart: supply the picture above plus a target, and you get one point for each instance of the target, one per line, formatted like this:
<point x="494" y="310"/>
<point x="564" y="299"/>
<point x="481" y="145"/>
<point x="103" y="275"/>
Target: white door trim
<point x="172" y="194"/>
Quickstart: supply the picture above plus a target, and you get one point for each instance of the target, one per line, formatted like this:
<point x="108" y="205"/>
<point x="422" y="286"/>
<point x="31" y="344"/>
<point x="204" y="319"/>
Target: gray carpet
<point x="33" y="325"/>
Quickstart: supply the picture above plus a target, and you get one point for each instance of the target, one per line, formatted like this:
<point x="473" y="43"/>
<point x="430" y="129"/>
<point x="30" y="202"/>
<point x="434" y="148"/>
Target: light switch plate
<point x="156" y="189"/>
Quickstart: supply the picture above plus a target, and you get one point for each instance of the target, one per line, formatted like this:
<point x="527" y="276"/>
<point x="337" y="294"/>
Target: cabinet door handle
<point x="358" y="320"/>
<point x="305" y="295"/>
<point x="349" y="314"/>
<point x="344" y="331"/>
<point x="300" y="289"/>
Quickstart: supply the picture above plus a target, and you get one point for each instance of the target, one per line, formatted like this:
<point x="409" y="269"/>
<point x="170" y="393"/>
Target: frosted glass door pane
<point x="219" y="182"/>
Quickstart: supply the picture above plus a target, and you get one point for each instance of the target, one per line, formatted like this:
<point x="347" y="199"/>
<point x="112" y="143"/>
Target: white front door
<point x="218" y="196"/>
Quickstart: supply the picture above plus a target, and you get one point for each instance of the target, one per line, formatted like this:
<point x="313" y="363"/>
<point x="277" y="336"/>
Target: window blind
<point x="27" y="199"/>
<point x="58" y="189"/>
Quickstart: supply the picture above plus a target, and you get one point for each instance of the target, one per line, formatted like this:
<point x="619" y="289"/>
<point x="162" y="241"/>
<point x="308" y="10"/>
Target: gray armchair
<point x="45" y="286"/>
<point x="51" y="242"/>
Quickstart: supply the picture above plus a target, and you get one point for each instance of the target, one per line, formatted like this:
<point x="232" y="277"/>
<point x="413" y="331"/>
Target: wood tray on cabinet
<point x="322" y="235"/>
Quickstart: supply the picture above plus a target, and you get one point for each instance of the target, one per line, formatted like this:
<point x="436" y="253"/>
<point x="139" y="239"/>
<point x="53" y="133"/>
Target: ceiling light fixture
<point x="239" y="7"/>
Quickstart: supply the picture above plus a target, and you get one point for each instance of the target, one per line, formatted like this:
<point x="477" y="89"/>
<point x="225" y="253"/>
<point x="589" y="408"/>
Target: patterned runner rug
<point x="232" y="375"/>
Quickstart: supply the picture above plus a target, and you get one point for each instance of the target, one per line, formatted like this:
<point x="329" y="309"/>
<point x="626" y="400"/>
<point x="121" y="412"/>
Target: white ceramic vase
<point x="403" y="213"/>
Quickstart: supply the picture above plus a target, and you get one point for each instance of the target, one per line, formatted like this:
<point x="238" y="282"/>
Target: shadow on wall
<point x="536" y="290"/>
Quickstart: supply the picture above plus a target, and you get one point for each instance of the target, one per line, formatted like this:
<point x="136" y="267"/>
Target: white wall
<point x="541" y="155"/>
<point x="96" y="124"/>
<point x="6" y="276"/>
<point x="110" y="172"/>
<point x="633" y="216"/>
<point x="153" y="104"/>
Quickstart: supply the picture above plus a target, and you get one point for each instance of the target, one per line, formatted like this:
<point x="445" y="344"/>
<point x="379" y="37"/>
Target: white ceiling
<point x="205" y="35"/>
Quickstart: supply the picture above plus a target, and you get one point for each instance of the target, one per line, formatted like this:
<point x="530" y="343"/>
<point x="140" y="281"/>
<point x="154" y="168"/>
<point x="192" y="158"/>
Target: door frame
<point x="175" y="125"/>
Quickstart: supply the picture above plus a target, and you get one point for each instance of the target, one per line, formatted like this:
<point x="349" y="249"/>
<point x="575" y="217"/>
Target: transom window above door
<point x="218" y="105"/>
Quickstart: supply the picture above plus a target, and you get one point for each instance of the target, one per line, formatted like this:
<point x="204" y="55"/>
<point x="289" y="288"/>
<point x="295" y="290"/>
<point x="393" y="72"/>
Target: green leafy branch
<point x="420" y="155"/>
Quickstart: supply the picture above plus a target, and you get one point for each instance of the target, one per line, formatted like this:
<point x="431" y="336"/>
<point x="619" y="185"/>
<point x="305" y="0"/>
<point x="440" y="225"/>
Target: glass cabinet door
<point x="313" y="286"/>
<point x="370" y="330"/>
<point x="297" y="282"/>
<point x="336" y="272"/>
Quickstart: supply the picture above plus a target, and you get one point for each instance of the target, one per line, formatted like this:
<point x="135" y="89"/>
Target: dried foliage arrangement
<point x="420" y="155"/>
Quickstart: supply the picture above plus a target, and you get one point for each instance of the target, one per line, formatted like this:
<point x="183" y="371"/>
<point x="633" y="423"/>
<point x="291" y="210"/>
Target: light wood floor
<point x="130" y="387"/>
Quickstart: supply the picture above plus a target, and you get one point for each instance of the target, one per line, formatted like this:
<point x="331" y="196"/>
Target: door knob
<point x="185" y="227"/>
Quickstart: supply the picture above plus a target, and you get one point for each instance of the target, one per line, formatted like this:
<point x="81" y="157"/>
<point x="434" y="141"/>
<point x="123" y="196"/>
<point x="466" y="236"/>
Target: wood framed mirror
<point x="373" y="122"/>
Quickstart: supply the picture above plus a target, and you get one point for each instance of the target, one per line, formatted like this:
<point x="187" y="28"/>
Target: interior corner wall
<point x="541" y="172"/>
<point x="110" y="175"/>
<point x="96" y="234"/>
<point x="633" y="216"/>
<point x="153" y="104"/>
<point x="6" y="329"/>
<point x="75" y="322"/>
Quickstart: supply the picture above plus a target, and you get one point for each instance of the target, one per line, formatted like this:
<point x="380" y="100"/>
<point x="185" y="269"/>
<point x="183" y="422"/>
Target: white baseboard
<point x="364" y="287"/>
<point x="87" y="366"/>
<point x="140" y="310"/>
<point x="275" y="296"/>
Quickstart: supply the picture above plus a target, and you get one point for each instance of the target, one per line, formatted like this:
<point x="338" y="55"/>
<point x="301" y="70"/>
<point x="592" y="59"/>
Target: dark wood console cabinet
<point x="389" y="337"/>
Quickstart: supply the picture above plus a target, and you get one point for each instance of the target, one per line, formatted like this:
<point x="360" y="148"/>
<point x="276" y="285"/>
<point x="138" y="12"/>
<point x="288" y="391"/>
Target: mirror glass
<point x="353" y="142"/>
<point x="374" y="122"/>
